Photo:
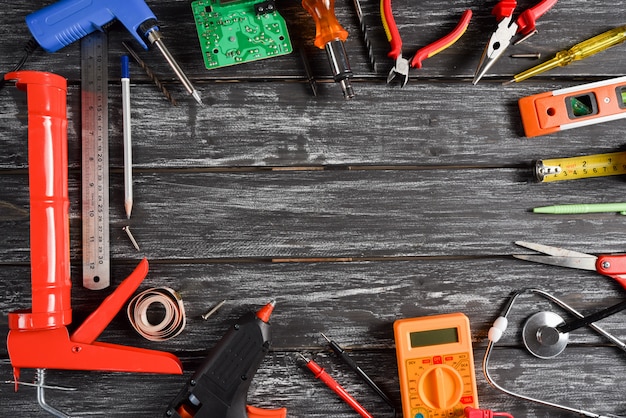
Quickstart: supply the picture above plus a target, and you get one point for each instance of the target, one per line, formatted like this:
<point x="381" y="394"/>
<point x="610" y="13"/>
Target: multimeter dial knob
<point x="440" y="387"/>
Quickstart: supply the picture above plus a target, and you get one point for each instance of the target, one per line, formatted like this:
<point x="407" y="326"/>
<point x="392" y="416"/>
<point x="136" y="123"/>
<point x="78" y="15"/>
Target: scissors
<point x="613" y="266"/>
<point x="502" y="37"/>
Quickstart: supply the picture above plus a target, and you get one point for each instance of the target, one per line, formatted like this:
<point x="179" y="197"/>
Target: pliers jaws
<point x="501" y="39"/>
<point x="498" y="43"/>
<point x="402" y="65"/>
<point x="400" y="70"/>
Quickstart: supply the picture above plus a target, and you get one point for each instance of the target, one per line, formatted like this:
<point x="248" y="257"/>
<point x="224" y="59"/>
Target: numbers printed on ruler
<point x="95" y="161"/>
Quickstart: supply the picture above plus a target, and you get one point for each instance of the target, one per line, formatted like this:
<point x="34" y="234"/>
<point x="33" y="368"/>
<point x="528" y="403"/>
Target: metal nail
<point x="130" y="236"/>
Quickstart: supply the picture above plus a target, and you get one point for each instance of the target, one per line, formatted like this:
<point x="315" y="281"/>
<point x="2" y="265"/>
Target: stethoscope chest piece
<point x="541" y="337"/>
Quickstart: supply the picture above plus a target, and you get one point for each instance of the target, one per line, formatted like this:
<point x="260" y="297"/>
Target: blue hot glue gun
<point x="67" y="21"/>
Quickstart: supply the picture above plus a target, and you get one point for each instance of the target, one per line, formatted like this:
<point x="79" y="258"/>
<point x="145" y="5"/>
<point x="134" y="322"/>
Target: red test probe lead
<point x="319" y="372"/>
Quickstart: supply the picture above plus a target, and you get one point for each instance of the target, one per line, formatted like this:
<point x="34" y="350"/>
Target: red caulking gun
<point x="38" y="337"/>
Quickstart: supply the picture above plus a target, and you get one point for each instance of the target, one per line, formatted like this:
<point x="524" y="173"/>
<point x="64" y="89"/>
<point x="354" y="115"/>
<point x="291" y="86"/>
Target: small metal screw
<point x="532" y="55"/>
<point x="213" y="310"/>
<point x="606" y="264"/>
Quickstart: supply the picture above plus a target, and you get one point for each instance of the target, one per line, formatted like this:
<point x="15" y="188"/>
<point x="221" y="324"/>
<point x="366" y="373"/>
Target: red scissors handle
<point x="613" y="266"/>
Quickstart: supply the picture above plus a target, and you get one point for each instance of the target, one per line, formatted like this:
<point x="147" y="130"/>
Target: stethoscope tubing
<point x="508" y="307"/>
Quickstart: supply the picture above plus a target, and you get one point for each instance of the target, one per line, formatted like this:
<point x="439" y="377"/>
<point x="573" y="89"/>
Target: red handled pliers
<point x="402" y="65"/>
<point x="504" y="33"/>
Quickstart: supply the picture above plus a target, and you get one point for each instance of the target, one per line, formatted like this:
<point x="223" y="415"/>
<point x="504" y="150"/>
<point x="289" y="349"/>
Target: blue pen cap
<point x="125" y="67"/>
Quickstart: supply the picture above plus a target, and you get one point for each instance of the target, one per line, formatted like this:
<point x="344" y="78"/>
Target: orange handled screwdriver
<point x="330" y="35"/>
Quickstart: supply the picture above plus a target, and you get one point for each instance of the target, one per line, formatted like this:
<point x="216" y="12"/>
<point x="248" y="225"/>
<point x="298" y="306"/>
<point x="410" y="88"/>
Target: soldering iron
<point x="62" y="23"/>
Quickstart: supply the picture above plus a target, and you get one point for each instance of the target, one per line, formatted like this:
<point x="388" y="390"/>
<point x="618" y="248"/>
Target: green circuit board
<point x="238" y="31"/>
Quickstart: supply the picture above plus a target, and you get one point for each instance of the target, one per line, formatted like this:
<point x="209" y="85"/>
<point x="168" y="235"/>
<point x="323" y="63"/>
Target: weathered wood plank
<point x="279" y="124"/>
<point x="358" y="312"/>
<point x="421" y="190"/>
<point x="355" y="214"/>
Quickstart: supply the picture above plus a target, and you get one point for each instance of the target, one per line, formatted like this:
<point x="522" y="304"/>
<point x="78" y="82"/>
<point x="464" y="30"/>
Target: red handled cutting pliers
<point x="613" y="266"/>
<point x="501" y="38"/>
<point x="402" y="65"/>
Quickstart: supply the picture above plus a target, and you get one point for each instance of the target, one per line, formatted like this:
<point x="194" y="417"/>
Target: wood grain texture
<point x="402" y="203"/>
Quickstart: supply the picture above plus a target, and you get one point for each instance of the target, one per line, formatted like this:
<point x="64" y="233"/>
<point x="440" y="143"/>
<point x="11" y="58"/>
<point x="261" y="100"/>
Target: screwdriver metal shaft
<point x="330" y="35"/>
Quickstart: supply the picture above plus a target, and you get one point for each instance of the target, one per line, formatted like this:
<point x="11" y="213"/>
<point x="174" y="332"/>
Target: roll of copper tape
<point x="173" y="321"/>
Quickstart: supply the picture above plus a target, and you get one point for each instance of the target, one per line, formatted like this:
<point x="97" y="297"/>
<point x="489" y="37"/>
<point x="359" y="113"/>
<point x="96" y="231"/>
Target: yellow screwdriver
<point x="577" y="52"/>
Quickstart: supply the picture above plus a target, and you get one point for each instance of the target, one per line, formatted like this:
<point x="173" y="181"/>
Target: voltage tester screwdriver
<point x="67" y="21"/>
<point x="578" y="52"/>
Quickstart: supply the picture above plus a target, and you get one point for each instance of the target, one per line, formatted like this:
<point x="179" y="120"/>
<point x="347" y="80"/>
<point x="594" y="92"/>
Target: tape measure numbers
<point x="95" y="161"/>
<point x="572" y="168"/>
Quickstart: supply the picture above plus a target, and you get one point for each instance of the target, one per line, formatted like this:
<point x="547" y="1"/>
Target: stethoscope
<point x="545" y="335"/>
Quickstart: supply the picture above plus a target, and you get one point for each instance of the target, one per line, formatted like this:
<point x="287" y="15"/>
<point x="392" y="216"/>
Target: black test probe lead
<point x="343" y="355"/>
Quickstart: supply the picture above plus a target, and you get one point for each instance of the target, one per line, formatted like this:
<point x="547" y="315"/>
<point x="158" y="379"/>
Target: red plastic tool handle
<point x="528" y="18"/>
<point x="613" y="266"/>
<point x="504" y="8"/>
<point x="254" y="412"/>
<point x="391" y="29"/>
<point x="49" y="202"/>
<point x="438" y="46"/>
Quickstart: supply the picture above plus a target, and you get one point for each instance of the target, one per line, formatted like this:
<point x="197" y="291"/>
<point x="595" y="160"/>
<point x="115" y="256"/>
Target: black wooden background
<point x="401" y="203"/>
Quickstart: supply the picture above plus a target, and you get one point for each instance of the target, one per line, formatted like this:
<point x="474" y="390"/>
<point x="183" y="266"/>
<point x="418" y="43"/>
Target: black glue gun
<point x="219" y="388"/>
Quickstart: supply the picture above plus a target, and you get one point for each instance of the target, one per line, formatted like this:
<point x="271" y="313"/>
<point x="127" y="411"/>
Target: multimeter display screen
<point x="434" y="337"/>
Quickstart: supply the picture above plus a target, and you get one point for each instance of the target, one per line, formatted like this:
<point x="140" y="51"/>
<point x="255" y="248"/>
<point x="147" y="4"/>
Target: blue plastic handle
<point x="66" y="21"/>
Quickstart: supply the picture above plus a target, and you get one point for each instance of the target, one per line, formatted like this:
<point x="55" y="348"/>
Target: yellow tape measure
<point x="597" y="165"/>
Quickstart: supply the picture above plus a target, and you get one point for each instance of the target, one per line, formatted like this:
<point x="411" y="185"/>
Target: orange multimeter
<point x="435" y="365"/>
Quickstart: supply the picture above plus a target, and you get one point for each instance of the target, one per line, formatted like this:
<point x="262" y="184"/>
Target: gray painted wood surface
<point x="403" y="202"/>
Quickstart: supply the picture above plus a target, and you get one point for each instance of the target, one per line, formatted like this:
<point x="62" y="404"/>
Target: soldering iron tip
<point x="196" y="96"/>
